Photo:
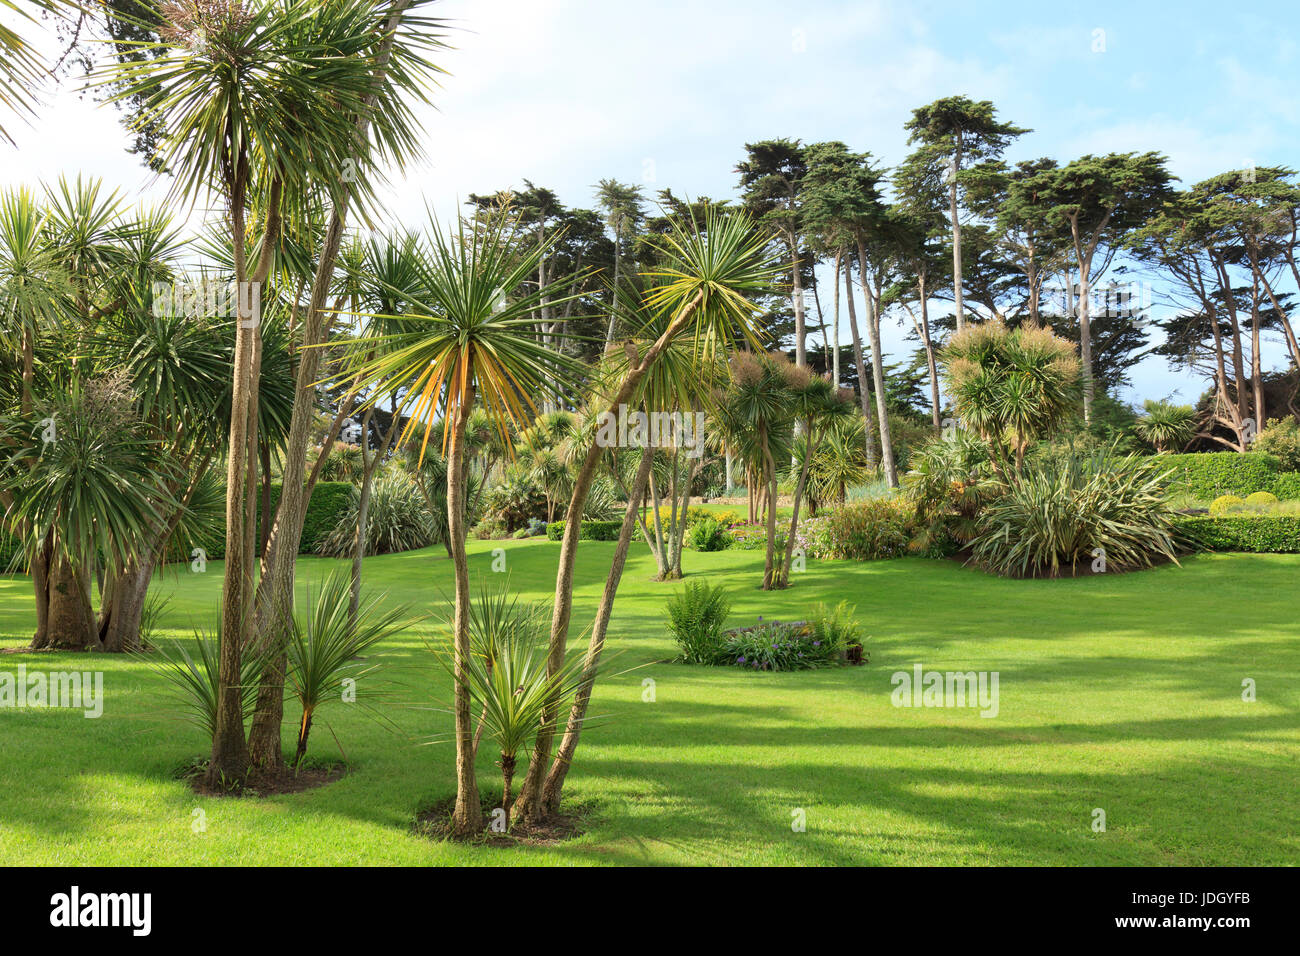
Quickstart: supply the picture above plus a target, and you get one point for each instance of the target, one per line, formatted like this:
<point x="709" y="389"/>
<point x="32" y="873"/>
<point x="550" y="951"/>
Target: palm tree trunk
<point x="578" y="712"/>
<point x="931" y="365"/>
<point x="796" y="296"/>
<point x="69" y="622"/>
<point x="609" y="332"/>
<point x="530" y="794"/>
<point x="468" y="816"/>
<point x="304" y="731"/>
<point x="368" y="466"/>
<point x="769" y="467"/>
<point x="810" y="450"/>
<point x="41" y="585"/>
<point x="275" y="590"/>
<point x="657" y="545"/>
<point x="507" y="779"/>
<point x="229" y="761"/>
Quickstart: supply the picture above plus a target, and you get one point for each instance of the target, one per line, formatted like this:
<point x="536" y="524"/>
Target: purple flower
<point x="741" y="659"/>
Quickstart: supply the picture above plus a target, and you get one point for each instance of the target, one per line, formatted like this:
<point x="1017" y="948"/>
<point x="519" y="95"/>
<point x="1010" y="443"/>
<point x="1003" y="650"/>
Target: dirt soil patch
<point x="435" y="822"/>
<point x="266" y="783"/>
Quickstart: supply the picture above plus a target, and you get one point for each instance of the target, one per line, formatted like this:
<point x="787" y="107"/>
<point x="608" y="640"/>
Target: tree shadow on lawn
<point x="938" y="815"/>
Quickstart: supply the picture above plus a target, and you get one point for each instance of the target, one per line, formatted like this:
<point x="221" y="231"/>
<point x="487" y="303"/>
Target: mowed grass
<point x="1118" y="692"/>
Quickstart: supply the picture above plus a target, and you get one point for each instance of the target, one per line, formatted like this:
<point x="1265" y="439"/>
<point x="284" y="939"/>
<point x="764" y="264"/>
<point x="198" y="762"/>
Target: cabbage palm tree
<point x="621" y="203"/>
<point x="261" y="102"/>
<point x="683" y="382"/>
<point x="1166" y="425"/>
<point x="712" y="266"/>
<point x="468" y="341"/>
<point x="507" y="675"/>
<point x="32" y="280"/>
<point x="97" y="485"/>
<point x="21" y="68"/>
<point x="1011" y="386"/>
<point x="816" y="405"/>
<point x="760" y="402"/>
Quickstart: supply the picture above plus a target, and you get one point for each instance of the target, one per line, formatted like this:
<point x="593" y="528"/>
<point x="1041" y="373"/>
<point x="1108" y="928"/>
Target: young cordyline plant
<point x="506" y="675"/>
<point x="193" y="678"/>
<point x="325" y="642"/>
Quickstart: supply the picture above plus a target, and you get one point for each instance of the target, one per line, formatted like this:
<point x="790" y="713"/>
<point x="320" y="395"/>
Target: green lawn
<point x="1118" y="692"/>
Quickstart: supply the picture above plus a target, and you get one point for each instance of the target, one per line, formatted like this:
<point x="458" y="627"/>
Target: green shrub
<point x="707" y="535"/>
<point x="835" y="628"/>
<point x="1259" y="533"/>
<point x="1061" y="514"/>
<point x="514" y="500"/>
<point x="694" y="515"/>
<point x="864" y="530"/>
<point x="1281" y="438"/>
<point x="397" y="520"/>
<point x="777" y="646"/>
<point x="1207" y="475"/>
<point x="1287" y="486"/>
<point x="602" y="502"/>
<point x="1261" y="499"/>
<point x="11" y="554"/>
<point x="753" y="537"/>
<point x="696" y="616"/>
<point x="587" y="531"/>
<point x="343" y="463"/>
<point x="1226" y="503"/>
<point x="490" y="528"/>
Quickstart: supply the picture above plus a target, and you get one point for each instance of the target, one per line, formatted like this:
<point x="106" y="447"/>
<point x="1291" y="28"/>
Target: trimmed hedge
<point x="587" y="531"/>
<point x="1287" y="486"/>
<point x="329" y="499"/>
<point x="1208" y="475"/>
<point x="1243" y="532"/>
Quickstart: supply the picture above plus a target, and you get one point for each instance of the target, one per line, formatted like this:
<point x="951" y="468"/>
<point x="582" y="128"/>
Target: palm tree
<point x="326" y="642"/>
<point x="840" y="462"/>
<point x="96" y="486"/>
<point x="469" y="341"/>
<point x="507" y="675"/>
<point x="32" y="282"/>
<point x="759" y="403"/>
<point x="21" y="69"/>
<point x="1010" y="386"/>
<point x="712" y="266"/>
<point x="261" y="103"/>
<point x="816" y="405"/>
<point x="1166" y="425"/>
<point x="680" y="382"/>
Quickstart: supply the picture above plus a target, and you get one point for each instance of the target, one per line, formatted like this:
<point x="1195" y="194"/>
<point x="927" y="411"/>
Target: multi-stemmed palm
<point x="468" y="341"/>
<point x="272" y="104"/>
<point x="710" y="269"/>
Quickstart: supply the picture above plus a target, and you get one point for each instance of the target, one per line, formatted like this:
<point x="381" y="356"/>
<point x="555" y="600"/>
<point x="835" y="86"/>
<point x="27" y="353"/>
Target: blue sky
<point x="667" y="93"/>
